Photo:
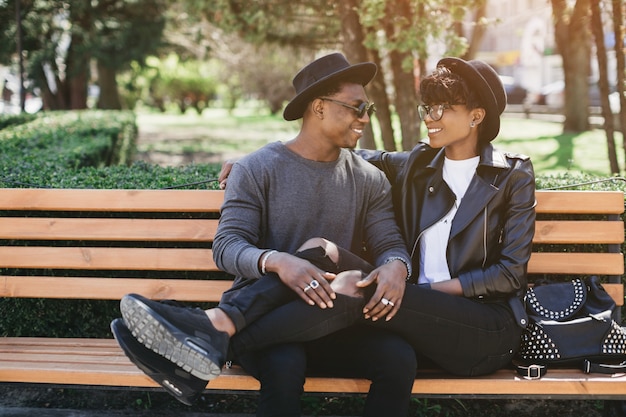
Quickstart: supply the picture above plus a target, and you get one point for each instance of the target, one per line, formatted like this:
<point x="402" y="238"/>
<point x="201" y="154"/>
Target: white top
<point x="434" y="240"/>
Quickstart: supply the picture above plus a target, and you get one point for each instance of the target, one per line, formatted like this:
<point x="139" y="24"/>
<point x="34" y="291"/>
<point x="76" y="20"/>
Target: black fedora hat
<point x="319" y="74"/>
<point x="483" y="79"/>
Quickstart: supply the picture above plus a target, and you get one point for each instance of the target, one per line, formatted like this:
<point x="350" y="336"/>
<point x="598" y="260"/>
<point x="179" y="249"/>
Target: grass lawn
<point x="553" y="152"/>
<point x="223" y="135"/>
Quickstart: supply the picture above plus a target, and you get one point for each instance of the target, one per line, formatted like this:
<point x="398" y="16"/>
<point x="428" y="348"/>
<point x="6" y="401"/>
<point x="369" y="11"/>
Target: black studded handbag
<point x="571" y="324"/>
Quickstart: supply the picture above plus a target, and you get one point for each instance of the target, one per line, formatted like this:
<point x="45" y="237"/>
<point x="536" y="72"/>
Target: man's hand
<point x="391" y="282"/>
<point x="304" y="278"/>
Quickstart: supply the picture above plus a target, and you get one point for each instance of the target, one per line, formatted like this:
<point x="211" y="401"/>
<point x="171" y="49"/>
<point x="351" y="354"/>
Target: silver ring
<point x="314" y="284"/>
<point x="387" y="302"/>
<point x="308" y="287"/>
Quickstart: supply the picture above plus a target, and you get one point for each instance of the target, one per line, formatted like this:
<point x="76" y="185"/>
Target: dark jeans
<point x="250" y="299"/>
<point x="358" y="351"/>
<point x="462" y="336"/>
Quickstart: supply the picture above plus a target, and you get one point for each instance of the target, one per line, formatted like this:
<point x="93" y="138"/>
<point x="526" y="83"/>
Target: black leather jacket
<point x="491" y="236"/>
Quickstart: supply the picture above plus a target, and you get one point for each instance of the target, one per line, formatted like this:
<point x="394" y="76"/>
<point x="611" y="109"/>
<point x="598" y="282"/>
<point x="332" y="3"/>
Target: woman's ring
<point x="387" y="302"/>
<point x="314" y="284"/>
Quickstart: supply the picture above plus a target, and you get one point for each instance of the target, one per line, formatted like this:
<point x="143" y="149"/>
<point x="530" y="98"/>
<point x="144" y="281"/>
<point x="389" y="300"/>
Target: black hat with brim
<point x="483" y="79"/>
<point x="320" y="73"/>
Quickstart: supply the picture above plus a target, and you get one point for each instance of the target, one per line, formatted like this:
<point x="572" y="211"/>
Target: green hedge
<point x="569" y="181"/>
<point x="88" y="149"/>
<point x="62" y="143"/>
<point x="8" y="120"/>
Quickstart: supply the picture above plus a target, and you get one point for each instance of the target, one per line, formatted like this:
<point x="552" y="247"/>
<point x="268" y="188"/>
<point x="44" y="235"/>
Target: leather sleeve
<point x="505" y="273"/>
<point x="391" y="163"/>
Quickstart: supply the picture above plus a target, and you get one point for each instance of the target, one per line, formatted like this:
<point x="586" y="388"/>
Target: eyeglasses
<point x="360" y="111"/>
<point x="435" y="112"/>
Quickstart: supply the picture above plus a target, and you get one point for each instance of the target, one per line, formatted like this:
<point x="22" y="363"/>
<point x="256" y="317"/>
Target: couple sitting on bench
<point x="316" y="234"/>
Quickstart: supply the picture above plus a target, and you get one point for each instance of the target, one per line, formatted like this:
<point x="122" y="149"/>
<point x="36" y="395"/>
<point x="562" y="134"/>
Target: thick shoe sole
<point x="160" y="336"/>
<point x="183" y="386"/>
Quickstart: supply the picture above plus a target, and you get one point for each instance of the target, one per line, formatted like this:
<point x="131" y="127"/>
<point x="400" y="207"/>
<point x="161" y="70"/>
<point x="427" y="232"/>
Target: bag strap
<point x="536" y="371"/>
<point x="603" y="368"/>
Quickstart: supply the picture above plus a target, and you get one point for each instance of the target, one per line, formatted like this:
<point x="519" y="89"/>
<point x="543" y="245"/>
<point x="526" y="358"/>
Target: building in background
<point x="519" y="43"/>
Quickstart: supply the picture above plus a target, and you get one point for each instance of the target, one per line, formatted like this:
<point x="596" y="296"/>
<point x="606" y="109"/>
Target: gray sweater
<point x="276" y="199"/>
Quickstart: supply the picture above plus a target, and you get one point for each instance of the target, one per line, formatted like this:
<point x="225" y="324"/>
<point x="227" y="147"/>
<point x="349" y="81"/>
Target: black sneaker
<point x="183" y="335"/>
<point x="183" y="386"/>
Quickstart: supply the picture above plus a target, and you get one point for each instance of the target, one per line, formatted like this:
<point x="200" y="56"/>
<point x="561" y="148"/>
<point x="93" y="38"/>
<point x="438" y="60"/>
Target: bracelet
<point x="264" y="260"/>
<point x="404" y="261"/>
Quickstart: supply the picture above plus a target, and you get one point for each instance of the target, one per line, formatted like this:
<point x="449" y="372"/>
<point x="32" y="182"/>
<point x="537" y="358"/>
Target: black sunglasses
<point x="360" y="111"/>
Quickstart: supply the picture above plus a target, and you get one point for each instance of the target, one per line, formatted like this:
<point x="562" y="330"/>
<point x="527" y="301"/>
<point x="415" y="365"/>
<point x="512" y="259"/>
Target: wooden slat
<point x="111" y="288"/>
<point x="203" y="230"/>
<point x="616" y="291"/>
<point x="174" y="230"/>
<point x="561" y="201"/>
<point x="578" y="232"/>
<point x="95" y="258"/>
<point x="101" y="362"/>
<point x="576" y="263"/>
<point x="111" y="200"/>
<point x="158" y="289"/>
<point x="577" y="202"/>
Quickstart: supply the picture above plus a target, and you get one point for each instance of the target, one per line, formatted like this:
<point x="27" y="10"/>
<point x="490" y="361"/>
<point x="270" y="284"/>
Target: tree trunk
<point x="52" y="90"/>
<point x="619" y="27"/>
<point x="478" y="32"/>
<point x="573" y="41"/>
<point x="383" y="106"/>
<point x="598" y="34"/>
<point x="403" y="79"/>
<point x="355" y="51"/>
<point x="78" y="56"/>
<point x="109" y="98"/>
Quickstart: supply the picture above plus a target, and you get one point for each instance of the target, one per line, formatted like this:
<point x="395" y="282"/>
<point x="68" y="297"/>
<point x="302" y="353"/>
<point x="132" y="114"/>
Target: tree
<point x="598" y="33"/>
<point x="61" y="38"/>
<point x="355" y="50"/>
<point x="397" y="24"/>
<point x="619" y="29"/>
<point x="124" y="31"/>
<point x="573" y="40"/>
<point x="478" y="30"/>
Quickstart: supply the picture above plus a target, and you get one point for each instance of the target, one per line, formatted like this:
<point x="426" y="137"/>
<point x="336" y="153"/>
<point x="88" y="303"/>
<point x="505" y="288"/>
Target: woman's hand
<point x="222" y="178"/>
<point x="390" y="282"/>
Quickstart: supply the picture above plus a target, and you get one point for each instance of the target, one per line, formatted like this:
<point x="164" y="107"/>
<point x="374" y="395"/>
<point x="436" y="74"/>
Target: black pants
<point x="357" y="351"/>
<point x="463" y="336"/>
<point x="250" y="299"/>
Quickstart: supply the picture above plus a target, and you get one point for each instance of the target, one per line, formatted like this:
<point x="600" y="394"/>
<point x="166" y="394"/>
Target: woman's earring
<point x="472" y="124"/>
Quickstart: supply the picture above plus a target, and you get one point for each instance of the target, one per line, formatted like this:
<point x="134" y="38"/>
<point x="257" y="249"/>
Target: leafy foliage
<point x="308" y="24"/>
<point x="61" y="37"/>
<point x="185" y="84"/>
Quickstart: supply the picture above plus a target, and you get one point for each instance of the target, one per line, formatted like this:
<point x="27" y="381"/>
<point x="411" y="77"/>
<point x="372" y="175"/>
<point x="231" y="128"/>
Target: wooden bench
<point x="135" y="234"/>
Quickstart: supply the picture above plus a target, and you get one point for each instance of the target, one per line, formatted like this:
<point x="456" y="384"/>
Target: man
<point x="289" y="210"/>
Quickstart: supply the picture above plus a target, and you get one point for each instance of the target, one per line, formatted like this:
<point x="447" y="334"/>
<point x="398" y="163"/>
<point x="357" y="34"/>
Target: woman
<point x="466" y="211"/>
